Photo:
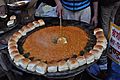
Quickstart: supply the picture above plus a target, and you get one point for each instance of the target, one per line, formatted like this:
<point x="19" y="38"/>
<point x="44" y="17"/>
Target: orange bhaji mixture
<point x="41" y="44"/>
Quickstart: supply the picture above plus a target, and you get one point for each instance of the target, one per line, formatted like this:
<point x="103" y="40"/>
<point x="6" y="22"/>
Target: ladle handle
<point x="61" y="34"/>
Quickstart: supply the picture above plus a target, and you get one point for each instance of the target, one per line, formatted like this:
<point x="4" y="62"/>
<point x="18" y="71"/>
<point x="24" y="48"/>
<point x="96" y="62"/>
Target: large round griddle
<point x="55" y="22"/>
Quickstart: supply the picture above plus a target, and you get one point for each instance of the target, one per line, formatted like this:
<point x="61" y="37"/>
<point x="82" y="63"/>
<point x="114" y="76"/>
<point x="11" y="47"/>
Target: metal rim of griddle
<point x="19" y="7"/>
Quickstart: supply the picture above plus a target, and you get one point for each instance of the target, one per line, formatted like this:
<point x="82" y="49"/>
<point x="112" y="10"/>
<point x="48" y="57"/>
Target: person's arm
<point x="32" y="3"/>
<point x="94" y="19"/>
<point x="2" y="8"/>
<point x="59" y="7"/>
<point x="30" y="10"/>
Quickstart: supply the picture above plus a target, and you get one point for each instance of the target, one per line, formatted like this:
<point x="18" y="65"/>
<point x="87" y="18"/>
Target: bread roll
<point x="24" y="30"/>
<point x="102" y="38"/>
<point x="18" y="35"/>
<point x="72" y="63"/>
<point x="11" y="41"/>
<point x="41" y="22"/>
<point x="98" y="34"/>
<point x="62" y="66"/>
<point x="81" y="60"/>
<point x="17" y="59"/>
<point x="24" y="62"/>
<point x="102" y="44"/>
<point x="13" y="54"/>
<point x="15" y="38"/>
<point x="12" y="44"/>
<point x="89" y="58"/>
<point x="97" y="30"/>
<point x="12" y="48"/>
<point x="32" y="65"/>
<point x="52" y="67"/>
<point x="36" y="24"/>
<point x="30" y="26"/>
<point x="41" y="68"/>
<point x="99" y="48"/>
<point x="96" y="53"/>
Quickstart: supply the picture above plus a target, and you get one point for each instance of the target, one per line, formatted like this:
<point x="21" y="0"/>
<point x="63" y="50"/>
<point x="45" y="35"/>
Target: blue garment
<point x="75" y="5"/>
<point x="94" y="69"/>
<point x="116" y="67"/>
<point x="114" y="74"/>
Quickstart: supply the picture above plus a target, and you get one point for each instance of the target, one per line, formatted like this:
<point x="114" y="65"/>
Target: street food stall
<point x="52" y="47"/>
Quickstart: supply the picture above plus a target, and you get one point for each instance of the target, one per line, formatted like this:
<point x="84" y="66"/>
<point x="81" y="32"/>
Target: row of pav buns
<point x="42" y="67"/>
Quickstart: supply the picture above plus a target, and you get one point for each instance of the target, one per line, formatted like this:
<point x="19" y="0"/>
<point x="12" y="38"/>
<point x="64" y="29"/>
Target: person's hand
<point x="2" y="10"/>
<point x="59" y="9"/>
<point x="94" y="21"/>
